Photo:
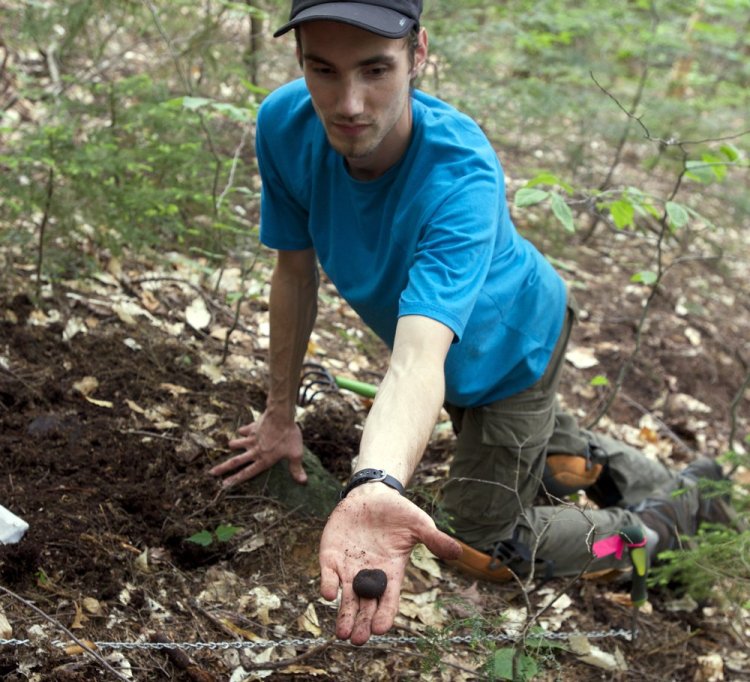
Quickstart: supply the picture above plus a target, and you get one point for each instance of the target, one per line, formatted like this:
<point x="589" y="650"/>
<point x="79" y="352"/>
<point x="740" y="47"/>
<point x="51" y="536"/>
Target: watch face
<point x="368" y="474"/>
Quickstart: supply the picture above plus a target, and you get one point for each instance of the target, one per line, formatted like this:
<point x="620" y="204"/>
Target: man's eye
<point x="377" y="71"/>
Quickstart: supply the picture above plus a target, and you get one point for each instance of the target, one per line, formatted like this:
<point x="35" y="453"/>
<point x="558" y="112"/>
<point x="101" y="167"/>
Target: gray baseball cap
<point x="388" y="18"/>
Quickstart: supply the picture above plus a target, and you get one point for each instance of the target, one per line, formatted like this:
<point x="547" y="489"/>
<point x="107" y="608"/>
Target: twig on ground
<point x="417" y="654"/>
<point x="214" y="620"/>
<point x="182" y="661"/>
<point x="56" y="623"/>
<point x="286" y="662"/>
<point x="670" y="433"/>
<point x="151" y="434"/>
<point x="672" y="643"/>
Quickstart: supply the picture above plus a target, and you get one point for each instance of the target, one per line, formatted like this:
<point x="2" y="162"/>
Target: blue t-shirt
<point x="432" y="237"/>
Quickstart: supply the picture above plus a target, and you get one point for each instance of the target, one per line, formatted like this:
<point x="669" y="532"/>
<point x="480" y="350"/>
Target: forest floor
<point x="116" y="397"/>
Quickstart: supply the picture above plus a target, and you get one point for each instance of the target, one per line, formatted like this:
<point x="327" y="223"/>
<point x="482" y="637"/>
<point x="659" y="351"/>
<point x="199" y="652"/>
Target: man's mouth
<point x="350" y="129"/>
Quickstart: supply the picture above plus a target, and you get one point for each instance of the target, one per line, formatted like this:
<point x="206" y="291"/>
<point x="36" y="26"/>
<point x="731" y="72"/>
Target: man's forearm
<point x="399" y="425"/>
<point x="293" y="308"/>
<point x="408" y="403"/>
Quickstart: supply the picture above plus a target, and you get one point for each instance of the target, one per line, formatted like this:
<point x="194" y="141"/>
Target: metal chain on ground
<point x="318" y="641"/>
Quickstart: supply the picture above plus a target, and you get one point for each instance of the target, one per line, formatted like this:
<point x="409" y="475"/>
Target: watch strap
<point x="371" y="476"/>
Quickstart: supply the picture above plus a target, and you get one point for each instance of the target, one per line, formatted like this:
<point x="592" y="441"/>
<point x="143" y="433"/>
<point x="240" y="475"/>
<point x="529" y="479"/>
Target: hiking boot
<point x="685" y="504"/>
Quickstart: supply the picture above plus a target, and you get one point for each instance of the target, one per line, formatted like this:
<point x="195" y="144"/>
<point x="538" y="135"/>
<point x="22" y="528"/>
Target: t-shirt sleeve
<point x="455" y="250"/>
<point x="283" y="219"/>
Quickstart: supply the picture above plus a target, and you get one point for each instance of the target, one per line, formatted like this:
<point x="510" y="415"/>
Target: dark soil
<point x="111" y="498"/>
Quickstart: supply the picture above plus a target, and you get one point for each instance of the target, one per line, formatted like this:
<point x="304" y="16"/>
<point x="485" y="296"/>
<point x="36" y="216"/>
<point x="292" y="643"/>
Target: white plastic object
<point x="12" y="528"/>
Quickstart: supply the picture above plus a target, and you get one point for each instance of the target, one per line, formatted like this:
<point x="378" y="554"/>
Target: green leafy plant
<point x="715" y="564"/>
<point x="222" y="533"/>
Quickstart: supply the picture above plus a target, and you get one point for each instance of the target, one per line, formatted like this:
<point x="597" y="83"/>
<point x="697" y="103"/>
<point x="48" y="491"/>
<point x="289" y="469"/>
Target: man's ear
<point x="420" y="56"/>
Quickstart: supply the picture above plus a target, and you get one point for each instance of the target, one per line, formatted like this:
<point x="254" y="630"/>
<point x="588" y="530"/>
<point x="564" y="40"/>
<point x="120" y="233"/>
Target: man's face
<point x="359" y="83"/>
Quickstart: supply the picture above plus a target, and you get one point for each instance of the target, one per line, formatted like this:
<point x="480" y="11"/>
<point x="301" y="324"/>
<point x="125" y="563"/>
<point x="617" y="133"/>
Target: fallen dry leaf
<point x="86" y="386"/>
<point x="710" y="668"/>
<point x="242" y="632"/>
<point x="6" y="631"/>
<point x="683" y="401"/>
<point x="262" y="601"/>
<point x="425" y="560"/>
<point x="309" y="622"/>
<point x="467" y="602"/>
<point x="77" y="650"/>
<point x="581" y="358"/>
<point x="149" y="301"/>
<point x="212" y="372"/>
<point x="132" y="344"/>
<point x="694" y="336"/>
<point x="204" y="421"/>
<point x="74" y="327"/>
<point x="79" y="619"/>
<point x="92" y="606"/>
<point x="648" y="435"/>
<point x="623" y="599"/>
<point x="174" y="389"/>
<point x="197" y="314"/>
<point x="100" y="403"/>
<point x="222" y="586"/>
<point x="127" y="311"/>
<point x="304" y="670"/>
<point x="135" y="407"/>
<point x="423" y="607"/>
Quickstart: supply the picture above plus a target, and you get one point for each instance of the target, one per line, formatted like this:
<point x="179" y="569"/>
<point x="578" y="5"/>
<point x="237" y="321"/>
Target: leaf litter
<point x="107" y="551"/>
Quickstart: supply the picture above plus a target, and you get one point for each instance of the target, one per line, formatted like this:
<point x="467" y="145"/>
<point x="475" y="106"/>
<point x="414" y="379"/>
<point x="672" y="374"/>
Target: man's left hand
<point x="374" y="528"/>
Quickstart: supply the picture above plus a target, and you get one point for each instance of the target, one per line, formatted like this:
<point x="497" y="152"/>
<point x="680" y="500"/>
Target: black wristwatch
<point x="371" y="476"/>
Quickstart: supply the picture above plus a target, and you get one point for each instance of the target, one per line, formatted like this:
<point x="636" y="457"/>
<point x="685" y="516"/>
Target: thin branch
<point x="417" y="654"/>
<point x="661" y="268"/>
<point x="734" y="406"/>
<point x="43" y="230"/>
<point x="662" y="424"/>
<point x="233" y="168"/>
<point x="96" y="656"/>
<point x="671" y="142"/>
<point x="189" y="89"/>
<point x="286" y="662"/>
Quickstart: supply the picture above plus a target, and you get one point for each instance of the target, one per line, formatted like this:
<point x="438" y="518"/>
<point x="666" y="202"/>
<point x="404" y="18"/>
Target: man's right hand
<point x="264" y="443"/>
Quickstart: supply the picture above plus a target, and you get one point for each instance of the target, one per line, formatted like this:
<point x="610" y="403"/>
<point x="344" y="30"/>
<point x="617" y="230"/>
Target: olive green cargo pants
<point x="497" y="469"/>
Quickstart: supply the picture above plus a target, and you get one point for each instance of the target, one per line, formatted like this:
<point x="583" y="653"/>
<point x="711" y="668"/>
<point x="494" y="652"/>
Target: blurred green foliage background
<point x="130" y="123"/>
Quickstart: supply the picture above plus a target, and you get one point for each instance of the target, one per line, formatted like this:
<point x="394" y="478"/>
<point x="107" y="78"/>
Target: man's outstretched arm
<point x="374" y="526"/>
<point x="275" y="436"/>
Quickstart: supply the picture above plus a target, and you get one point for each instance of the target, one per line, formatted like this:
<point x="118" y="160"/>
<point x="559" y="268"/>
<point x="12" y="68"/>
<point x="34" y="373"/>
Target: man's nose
<point x="351" y="99"/>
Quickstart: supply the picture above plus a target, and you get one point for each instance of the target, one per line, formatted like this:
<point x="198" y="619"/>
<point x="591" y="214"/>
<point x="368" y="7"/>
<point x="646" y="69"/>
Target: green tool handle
<point x="359" y="387"/>
<point x="638" y="591"/>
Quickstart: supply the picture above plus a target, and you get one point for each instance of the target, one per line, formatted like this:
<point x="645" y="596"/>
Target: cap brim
<point x="381" y="20"/>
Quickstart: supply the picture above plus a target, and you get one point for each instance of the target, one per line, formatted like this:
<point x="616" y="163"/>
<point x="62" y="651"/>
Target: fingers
<point x="297" y="470"/>
<point x="361" y="629"/>
<point x="387" y="610"/>
<point x="361" y="618"/>
<point x="440" y="544"/>
<point x="348" y="612"/>
<point x="247" y="429"/>
<point x="280" y="443"/>
<point x="329" y="583"/>
<point x="251" y="468"/>
<point x="230" y="464"/>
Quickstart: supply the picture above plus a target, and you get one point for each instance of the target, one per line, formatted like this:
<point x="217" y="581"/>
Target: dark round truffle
<point x="370" y="583"/>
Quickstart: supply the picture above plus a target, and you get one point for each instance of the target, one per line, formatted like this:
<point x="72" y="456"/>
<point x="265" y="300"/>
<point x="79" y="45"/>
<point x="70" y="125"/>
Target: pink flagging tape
<point x="615" y="544"/>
